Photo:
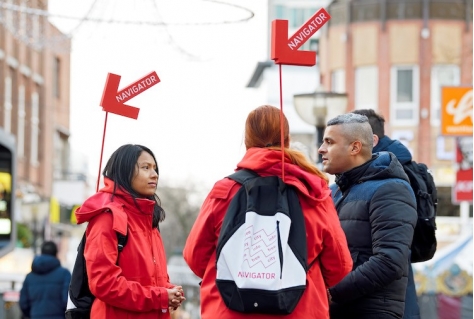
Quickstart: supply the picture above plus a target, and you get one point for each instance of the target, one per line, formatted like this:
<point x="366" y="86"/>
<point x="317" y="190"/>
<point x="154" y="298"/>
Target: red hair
<point x="262" y="129"/>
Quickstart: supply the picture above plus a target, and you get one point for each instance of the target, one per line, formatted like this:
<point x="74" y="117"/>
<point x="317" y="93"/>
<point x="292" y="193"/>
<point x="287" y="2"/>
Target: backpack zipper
<point x="280" y="250"/>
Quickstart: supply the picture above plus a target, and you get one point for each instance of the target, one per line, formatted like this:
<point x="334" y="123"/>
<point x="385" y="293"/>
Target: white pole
<point x="466" y="225"/>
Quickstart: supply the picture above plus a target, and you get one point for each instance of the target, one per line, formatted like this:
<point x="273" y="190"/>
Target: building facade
<point x="34" y="102"/>
<point x="394" y="57"/>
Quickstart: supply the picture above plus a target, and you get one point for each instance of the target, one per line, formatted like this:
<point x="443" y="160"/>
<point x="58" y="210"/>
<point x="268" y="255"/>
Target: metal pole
<point x="466" y="226"/>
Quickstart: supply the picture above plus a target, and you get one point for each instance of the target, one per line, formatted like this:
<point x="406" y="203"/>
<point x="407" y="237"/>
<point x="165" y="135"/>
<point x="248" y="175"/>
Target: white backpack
<point x="261" y="250"/>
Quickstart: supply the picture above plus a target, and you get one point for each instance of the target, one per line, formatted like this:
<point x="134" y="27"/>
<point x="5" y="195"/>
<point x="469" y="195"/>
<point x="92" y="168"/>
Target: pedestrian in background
<point x="384" y="143"/>
<point x="326" y="242"/>
<point x="377" y="209"/>
<point x="136" y="285"/>
<point x="44" y="291"/>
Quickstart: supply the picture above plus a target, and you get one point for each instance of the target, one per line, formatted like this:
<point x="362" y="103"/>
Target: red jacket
<point x="325" y="238"/>
<point x="136" y="288"/>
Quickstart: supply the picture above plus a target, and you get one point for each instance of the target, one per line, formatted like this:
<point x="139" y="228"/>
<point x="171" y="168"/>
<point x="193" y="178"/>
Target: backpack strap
<point x="242" y="176"/>
<point x="122" y="241"/>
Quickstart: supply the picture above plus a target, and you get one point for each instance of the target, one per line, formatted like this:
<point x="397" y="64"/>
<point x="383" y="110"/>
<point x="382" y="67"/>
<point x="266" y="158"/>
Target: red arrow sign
<point x="113" y="100"/>
<point x="285" y="51"/>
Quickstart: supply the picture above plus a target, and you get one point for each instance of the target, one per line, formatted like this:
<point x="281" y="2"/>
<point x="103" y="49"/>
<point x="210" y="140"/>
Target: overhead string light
<point x="171" y="39"/>
<point x="28" y="24"/>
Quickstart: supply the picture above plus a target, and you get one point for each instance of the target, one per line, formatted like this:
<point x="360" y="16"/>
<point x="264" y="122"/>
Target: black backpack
<point x="80" y="298"/>
<point x="261" y="254"/>
<point x="424" y="242"/>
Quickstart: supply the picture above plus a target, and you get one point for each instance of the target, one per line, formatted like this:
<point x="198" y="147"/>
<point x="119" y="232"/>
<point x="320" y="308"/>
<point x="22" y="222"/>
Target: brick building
<point x="394" y="56"/>
<point x="34" y="101"/>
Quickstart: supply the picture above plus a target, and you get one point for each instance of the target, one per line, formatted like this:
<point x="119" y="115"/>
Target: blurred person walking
<point x="44" y="291"/>
<point x="326" y="243"/>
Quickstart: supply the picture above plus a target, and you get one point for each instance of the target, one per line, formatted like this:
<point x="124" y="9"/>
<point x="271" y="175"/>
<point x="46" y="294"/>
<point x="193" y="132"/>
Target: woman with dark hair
<point x="326" y="242"/>
<point x="136" y="285"/>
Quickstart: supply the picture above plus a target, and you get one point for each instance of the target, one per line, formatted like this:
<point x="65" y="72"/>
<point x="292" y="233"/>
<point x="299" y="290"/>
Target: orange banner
<point x="456" y="111"/>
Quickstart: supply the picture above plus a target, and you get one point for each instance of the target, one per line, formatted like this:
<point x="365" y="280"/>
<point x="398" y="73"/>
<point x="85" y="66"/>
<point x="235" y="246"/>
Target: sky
<point x="193" y="120"/>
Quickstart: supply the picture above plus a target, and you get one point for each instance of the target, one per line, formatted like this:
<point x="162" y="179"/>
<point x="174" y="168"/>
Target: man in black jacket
<point x="382" y="143"/>
<point x="377" y="210"/>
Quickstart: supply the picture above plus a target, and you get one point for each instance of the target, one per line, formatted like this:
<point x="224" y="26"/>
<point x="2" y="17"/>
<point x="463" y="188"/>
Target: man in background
<point x="383" y="143"/>
<point x="44" y="291"/>
<point x="377" y="210"/>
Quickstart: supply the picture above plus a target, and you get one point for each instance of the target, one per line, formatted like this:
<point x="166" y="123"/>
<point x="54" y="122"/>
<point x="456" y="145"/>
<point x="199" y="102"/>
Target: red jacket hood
<point x="105" y="200"/>
<point x="267" y="162"/>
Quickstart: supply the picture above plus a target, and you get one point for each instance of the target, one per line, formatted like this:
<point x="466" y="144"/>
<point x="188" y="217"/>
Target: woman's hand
<point x="175" y="296"/>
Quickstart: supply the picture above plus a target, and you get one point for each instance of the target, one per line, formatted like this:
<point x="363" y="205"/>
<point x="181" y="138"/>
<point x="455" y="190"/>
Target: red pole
<point x="282" y="134"/>
<point x="102" y="151"/>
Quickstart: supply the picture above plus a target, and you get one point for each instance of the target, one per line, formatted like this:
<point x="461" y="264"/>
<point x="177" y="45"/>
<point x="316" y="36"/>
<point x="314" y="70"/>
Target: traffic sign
<point x="113" y="100"/>
<point x="285" y="51"/>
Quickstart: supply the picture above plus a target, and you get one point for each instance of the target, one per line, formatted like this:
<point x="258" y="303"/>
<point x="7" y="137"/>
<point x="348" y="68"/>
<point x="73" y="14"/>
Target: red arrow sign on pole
<point x="285" y="51"/>
<point x="113" y="100"/>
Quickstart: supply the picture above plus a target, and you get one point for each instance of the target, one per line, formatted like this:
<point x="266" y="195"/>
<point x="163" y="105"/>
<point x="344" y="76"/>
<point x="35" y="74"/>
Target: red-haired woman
<point x="326" y="241"/>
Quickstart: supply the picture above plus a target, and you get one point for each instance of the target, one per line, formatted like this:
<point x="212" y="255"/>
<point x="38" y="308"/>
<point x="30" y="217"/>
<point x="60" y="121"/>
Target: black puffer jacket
<point x="377" y="210"/>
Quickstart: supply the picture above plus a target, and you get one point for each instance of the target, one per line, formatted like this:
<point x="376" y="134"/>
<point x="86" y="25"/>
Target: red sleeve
<point x="335" y="257"/>
<point x="201" y="242"/>
<point x="105" y="278"/>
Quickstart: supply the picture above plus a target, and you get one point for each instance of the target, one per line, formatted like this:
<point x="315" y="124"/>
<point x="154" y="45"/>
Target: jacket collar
<point x="105" y="199"/>
<point x="268" y="162"/>
<point x="383" y="165"/>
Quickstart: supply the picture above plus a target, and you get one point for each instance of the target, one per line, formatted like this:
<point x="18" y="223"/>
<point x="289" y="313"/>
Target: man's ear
<point x="376" y="140"/>
<point x="356" y="147"/>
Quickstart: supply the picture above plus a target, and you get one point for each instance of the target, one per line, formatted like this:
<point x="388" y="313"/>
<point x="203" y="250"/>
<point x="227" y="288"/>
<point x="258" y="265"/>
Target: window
<point x="280" y="12"/>
<point x="404" y="87"/>
<point x="338" y="81"/>
<point x="366" y="87"/>
<point x="34" y="128"/>
<point x="8" y="105"/>
<point x="308" y="13"/>
<point x="312" y="45"/>
<point x="56" y="77"/>
<point x="441" y="75"/>
<point x="21" y="122"/>
<point x="297" y="16"/>
<point x="404" y="84"/>
<point x="61" y="156"/>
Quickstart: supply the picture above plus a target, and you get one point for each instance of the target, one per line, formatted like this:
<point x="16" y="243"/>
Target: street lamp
<point x="318" y="107"/>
